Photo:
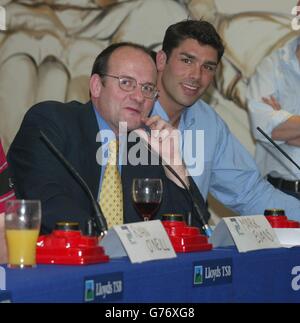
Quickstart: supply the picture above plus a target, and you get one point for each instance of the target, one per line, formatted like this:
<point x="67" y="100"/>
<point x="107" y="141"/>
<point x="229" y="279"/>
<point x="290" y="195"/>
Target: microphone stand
<point x="276" y="146"/>
<point x="205" y="226"/>
<point x="99" y="224"/>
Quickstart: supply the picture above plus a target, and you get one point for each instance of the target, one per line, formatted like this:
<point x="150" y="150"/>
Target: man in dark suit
<point x="122" y="89"/>
<point x="6" y="190"/>
<point x="6" y="193"/>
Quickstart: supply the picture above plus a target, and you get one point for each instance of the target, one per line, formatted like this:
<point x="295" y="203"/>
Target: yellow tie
<point x="111" y="195"/>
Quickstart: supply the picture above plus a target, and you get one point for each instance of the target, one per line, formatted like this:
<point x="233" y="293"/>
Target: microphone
<point x="276" y="146"/>
<point x="98" y="225"/>
<point x="204" y="225"/>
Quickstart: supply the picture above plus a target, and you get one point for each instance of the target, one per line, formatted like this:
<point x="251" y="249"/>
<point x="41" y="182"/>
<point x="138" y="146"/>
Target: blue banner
<point x="5" y="296"/>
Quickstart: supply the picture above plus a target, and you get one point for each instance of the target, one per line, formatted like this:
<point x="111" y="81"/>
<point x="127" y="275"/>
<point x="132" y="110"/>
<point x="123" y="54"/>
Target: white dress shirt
<point x="277" y="75"/>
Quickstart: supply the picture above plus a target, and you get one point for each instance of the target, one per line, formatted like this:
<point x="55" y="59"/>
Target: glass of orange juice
<point x="22" y="226"/>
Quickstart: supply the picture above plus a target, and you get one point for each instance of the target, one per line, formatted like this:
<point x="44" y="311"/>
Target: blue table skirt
<point x="261" y="276"/>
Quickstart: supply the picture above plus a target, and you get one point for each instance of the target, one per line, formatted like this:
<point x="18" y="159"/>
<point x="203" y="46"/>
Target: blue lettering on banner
<point x="212" y="272"/>
<point x="103" y="288"/>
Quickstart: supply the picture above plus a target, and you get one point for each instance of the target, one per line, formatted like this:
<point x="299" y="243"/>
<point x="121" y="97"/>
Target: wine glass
<point x="147" y="195"/>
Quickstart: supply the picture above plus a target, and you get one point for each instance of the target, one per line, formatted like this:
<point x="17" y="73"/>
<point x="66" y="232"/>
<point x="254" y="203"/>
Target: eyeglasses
<point x="128" y="84"/>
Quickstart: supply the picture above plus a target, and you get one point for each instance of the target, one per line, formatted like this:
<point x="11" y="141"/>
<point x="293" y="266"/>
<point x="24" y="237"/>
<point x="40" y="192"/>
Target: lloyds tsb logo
<point x="2" y="18"/>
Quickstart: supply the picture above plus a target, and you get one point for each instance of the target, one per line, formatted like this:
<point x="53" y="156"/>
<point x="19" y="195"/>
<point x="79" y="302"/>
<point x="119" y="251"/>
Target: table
<point x="220" y="275"/>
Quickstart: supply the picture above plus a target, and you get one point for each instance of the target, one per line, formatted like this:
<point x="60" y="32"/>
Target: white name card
<point x="288" y="237"/>
<point x="251" y="232"/>
<point x="141" y="241"/>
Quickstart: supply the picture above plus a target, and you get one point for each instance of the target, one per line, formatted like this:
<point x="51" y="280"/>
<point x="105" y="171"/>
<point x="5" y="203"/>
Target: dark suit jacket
<point x="38" y="174"/>
<point x="6" y="191"/>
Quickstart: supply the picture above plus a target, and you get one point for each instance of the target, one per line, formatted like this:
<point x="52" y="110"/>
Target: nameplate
<point x="288" y="237"/>
<point x="141" y="241"/>
<point x="248" y="233"/>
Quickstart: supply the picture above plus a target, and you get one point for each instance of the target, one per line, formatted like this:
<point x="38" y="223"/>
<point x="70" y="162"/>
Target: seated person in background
<point x="274" y="105"/>
<point x="187" y="64"/>
<point x="122" y="89"/>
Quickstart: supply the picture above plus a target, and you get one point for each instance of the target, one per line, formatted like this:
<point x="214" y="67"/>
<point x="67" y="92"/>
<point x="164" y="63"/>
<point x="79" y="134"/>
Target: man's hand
<point x="165" y="140"/>
<point x="287" y="131"/>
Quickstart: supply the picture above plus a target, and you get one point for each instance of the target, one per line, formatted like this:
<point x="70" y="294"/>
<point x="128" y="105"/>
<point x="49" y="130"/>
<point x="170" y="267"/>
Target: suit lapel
<point x="90" y="147"/>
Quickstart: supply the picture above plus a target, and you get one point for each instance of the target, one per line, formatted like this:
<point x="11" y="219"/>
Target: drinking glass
<point x="22" y="226"/>
<point x="147" y="195"/>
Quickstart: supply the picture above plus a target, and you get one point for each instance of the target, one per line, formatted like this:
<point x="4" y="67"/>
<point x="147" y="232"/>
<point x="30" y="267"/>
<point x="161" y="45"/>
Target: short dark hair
<point x="200" y="30"/>
<point x="100" y="65"/>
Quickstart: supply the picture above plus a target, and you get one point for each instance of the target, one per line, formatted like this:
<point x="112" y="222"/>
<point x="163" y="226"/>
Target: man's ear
<point x="161" y="60"/>
<point x="95" y="85"/>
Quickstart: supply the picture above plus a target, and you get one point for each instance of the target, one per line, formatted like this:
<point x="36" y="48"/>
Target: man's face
<point x="187" y="74"/>
<point x="117" y="105"/>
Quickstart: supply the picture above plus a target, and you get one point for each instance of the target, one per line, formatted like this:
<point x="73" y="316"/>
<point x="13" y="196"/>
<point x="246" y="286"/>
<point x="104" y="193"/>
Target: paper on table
<point x="288" y="237"/>
<point x="141" y="241"/>
<point x="112" y="245"/>
<point x="251" y="232"/>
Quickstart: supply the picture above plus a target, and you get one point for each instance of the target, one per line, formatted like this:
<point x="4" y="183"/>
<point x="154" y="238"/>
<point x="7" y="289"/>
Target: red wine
<point x="146" y="209"/>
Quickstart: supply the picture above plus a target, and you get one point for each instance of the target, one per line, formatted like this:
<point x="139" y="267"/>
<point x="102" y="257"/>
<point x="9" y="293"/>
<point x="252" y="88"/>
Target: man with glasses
<point x="187" y="64"/>
<point x="122" y="90"/>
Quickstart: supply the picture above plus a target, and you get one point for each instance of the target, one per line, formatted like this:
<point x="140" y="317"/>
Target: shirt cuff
<point x="266" y="118"/>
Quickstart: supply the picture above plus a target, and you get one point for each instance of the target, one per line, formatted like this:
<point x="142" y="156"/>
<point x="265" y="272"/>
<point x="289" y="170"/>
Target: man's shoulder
<point x="57" y="112"/>
<point x="271" y="61"/>
<point x="206" y="118"/>
<point x="203" y="111"/>
<point x="56" y="107"/>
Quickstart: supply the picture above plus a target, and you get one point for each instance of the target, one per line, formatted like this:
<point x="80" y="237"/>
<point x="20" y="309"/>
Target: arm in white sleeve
<point x="263" y="84"/>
